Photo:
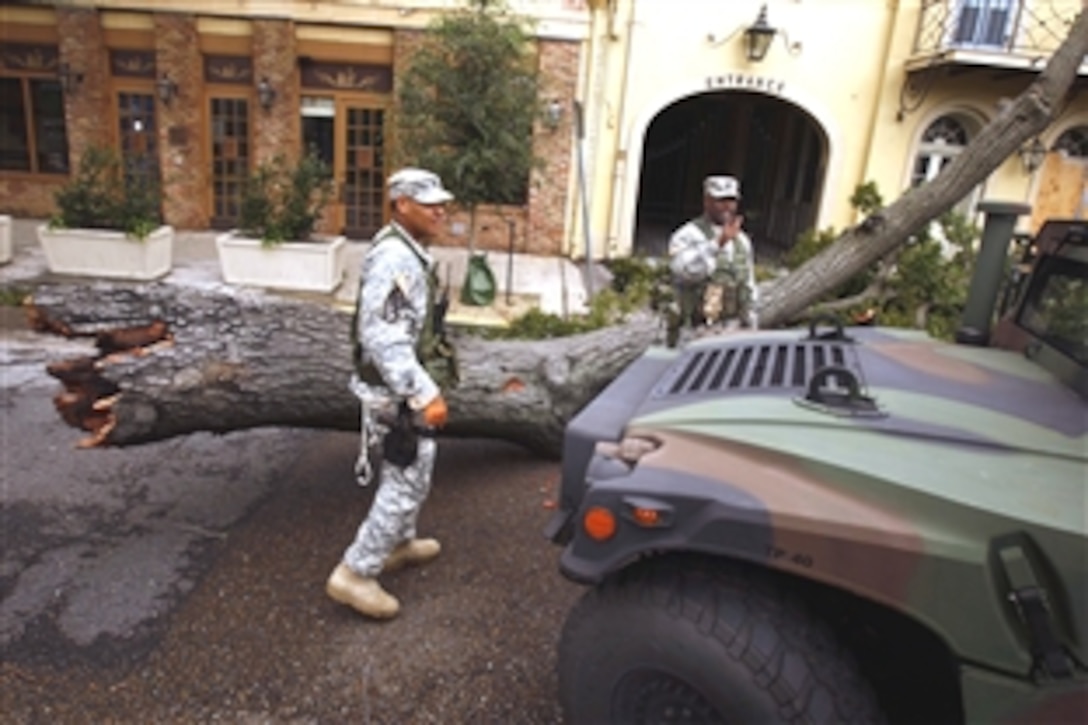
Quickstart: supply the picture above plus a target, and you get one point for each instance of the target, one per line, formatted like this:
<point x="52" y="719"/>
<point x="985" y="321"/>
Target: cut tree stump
<point x="179" y="359"/>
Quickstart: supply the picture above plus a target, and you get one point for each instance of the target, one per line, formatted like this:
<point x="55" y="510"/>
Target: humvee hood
<point x="911" y="384"/>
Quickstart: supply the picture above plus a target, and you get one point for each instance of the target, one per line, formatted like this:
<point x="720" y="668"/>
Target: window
<point x="984" y="23"/>
<point x="1057" y="307"/>
<point x="33" y="137"/>
<point x="1073" y="143"/>
<point x="944" y="139"/>
<point x="139" y="139"/>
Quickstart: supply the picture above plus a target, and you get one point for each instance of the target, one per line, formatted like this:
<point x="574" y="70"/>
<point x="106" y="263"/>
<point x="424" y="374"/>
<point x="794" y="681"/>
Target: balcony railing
<point x="1029" y="28"/>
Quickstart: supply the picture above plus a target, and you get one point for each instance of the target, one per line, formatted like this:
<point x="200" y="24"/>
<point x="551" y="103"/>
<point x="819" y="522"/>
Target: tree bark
<point x="176" y="360"/>
<point x="887" y="229"/>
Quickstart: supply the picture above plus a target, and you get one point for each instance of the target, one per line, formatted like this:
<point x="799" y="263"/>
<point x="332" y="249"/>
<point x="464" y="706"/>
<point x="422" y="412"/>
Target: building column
<point x="550" y="187"/>
<point x="87" y="107"/>
<point x="277" y="130"/>
<point x="182" y="152"/>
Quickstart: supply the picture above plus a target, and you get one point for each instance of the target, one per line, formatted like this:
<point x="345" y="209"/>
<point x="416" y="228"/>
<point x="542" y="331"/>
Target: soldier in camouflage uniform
<point x="393" y="315"/>
<point x="712" y="263"/>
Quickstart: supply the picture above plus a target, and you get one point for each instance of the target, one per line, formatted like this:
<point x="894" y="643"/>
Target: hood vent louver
<point x="775" y="365"/>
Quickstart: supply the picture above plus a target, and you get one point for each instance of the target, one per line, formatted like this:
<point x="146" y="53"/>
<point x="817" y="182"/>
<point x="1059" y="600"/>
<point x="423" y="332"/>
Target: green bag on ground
<point x="479" y="287"/>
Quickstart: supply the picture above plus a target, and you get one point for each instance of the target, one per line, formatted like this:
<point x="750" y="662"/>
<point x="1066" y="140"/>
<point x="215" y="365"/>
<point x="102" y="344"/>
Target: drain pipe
<point x="579" y="125"/>
<point x="997" y="232"/>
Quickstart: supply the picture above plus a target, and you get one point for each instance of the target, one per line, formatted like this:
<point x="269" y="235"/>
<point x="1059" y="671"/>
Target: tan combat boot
<point x="412" y="552"/>
<point x="363" y="594"/>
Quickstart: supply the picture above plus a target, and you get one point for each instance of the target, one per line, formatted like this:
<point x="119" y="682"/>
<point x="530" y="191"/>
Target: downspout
<point x="619" y="152"/>
<point x="874" y="119"/>
<point x="588" y="81"/>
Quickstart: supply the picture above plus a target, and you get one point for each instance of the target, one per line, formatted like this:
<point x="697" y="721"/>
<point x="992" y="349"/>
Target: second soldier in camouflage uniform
<point x="392" y="322"/>
<point x="711" y="261"/>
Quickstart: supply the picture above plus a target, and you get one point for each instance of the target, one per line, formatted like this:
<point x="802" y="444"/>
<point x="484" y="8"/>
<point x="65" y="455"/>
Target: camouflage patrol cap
<point x="423" y="186"/>
<point x="721" y="187"/>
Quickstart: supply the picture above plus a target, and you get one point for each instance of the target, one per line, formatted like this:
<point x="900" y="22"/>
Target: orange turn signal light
<point x="646" y="517"/>
<point x="599" y="523"/>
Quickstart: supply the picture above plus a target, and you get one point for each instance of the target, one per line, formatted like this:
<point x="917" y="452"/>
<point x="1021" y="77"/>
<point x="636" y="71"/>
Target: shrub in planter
<point x="275" y="245"/>
<point x="104" y="194"/>
<point x="283" y="201"/>
<point x="108" y="222"/>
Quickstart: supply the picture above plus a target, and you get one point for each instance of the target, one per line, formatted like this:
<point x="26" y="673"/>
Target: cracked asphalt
<point x="183" y="581"/>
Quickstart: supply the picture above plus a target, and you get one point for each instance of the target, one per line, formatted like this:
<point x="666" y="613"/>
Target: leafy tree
<point x="467" y="103"/>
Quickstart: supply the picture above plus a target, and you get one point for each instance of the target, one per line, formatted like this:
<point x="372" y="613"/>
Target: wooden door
<point x="229" y="155"/>
<point x="361" y="164"/>
<point x="137" y="135"/>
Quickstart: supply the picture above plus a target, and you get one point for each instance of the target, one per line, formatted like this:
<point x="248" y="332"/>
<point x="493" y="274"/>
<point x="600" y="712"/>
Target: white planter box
<point x="316" y="266"/>
<point x="5" y="238"/>
<point x="105" y="253"/>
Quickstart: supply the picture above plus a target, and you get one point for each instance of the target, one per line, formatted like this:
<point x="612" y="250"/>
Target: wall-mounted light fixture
<point x="1032" y="155"/>
<point x="69" y="79"/>
<point x="266" y="94"/>
<point x="166" y="88"/>
<point x="553" y="114"/>
<point x="758" y="37"/>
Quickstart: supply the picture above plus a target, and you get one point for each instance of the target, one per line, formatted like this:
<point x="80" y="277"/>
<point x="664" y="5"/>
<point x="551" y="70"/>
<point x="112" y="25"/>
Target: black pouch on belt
<point x="400" y="446"/>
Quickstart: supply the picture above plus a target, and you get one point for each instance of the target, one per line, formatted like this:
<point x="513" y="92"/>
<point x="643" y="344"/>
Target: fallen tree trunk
<point x="177" y="359"/>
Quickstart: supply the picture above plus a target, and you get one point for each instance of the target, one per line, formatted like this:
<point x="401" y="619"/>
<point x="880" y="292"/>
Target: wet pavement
<point x="183" y="581"/>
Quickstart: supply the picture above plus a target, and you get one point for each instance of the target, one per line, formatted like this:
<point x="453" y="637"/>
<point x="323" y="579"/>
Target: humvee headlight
<point x="599" y="523"/>
<point x="631" y="449"/>
<point x="634" y="448"/>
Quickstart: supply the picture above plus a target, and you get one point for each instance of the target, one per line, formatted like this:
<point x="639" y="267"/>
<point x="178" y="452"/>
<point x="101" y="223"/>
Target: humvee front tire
<point x="694" y="640"/>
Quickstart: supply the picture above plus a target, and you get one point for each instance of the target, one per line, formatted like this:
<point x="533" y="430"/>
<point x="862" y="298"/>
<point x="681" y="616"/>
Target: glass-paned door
<point x="138" y="137"/>
<point x="230" y="158"/>
<point x="363" y="186"/>
<point x="348" y="132"/>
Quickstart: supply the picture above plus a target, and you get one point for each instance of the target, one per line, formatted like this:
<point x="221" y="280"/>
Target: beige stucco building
<point x="848" y="91"/>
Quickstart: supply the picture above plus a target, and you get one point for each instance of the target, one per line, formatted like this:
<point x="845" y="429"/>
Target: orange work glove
<point x="435" y="414"/>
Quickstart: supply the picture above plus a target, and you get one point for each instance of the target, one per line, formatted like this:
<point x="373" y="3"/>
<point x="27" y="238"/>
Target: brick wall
<point x="24" y="195"/>
<point x="182" y="153"/>
<point x="81" y="46"/>
<point x="492" y="228"/>
<point x="277" y="130"/>
<point x="87" y="109"/>
<point x="558" y="65"/>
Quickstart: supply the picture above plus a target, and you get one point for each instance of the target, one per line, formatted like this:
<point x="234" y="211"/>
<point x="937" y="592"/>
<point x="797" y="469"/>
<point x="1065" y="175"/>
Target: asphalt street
<point x="183" y="581"/>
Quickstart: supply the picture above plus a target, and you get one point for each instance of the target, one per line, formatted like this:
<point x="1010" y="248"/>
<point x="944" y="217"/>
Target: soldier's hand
<point x="731" y="228"/>
<point x="434" y="415"/>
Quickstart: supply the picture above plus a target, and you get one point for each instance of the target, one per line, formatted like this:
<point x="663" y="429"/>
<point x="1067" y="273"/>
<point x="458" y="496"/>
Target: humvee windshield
<point x="1056" y="309"/>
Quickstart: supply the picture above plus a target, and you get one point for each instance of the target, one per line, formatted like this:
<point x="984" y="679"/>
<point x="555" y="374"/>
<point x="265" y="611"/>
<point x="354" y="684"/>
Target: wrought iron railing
<point x="1030" y="28"/>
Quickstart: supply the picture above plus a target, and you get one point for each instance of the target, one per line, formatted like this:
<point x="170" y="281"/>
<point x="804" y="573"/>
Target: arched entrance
<point x="778" y="151"/>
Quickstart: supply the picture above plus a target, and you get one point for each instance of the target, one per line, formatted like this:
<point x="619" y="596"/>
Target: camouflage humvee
<point x="839" y="525"/>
